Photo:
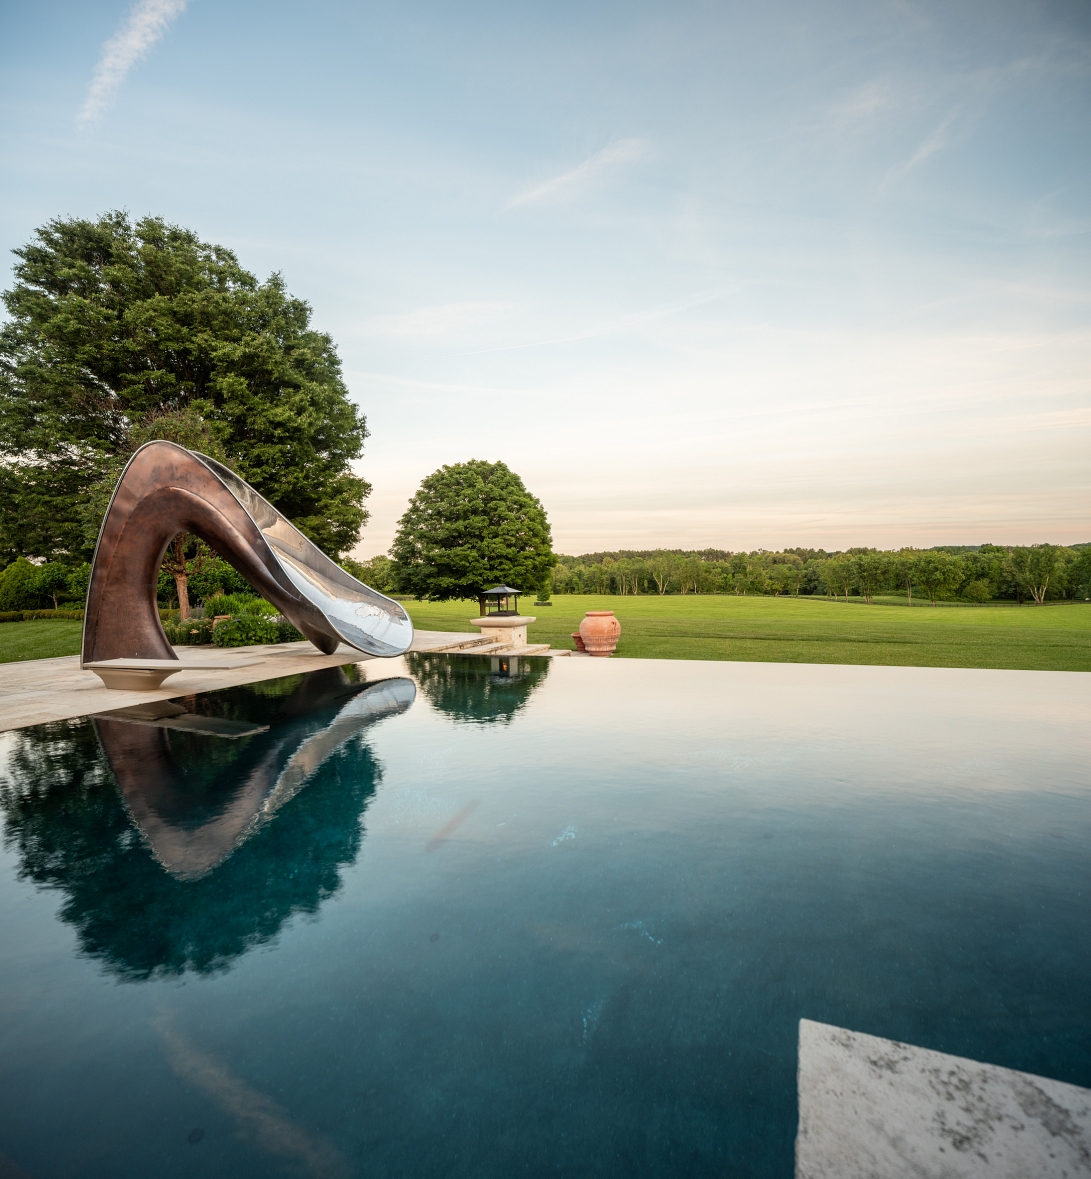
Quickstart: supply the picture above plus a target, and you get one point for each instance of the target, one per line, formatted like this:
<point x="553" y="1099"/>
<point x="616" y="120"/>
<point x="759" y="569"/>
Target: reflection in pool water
<point x="477" y="690"/>
<point x="577" y="936"/>
<point x="193" y="828"/>
<point x="198" y="803"/>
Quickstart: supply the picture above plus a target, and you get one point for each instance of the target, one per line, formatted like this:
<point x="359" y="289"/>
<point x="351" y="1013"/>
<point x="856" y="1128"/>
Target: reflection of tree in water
<point x="73" y="831"/>
<point x="476" y="688"/>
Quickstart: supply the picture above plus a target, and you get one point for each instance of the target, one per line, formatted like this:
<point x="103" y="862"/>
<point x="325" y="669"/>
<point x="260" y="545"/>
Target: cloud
<point x="932" y="144"/>
<point x="928" y="147"/>
<point x="878" y="97"/>
<point x="583" y="176"/>
<point x="146" y="24"/>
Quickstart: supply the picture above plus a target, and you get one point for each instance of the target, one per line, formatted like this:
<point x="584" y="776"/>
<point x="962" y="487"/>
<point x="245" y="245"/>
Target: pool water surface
<point x="447" y="916"/>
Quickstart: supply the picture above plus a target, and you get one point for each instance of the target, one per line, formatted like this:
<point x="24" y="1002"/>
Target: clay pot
<point x="577" y="638"/>
<point x="600" y="631"/>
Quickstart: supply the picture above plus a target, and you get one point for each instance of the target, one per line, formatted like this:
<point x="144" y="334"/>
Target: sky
<point x="704" y="274"/>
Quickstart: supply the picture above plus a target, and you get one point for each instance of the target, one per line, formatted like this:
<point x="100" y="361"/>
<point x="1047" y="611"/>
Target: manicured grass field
<point x="762" y="630"/>
<point x="43" y="639"/>
<point x="810" y="630"/>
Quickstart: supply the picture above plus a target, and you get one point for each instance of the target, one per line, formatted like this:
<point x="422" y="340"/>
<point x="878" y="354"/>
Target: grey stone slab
<point x="877" y="1109"/>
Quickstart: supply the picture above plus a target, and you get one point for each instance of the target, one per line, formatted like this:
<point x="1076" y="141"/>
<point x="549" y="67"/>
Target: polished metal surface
<point x="166" y="489"/>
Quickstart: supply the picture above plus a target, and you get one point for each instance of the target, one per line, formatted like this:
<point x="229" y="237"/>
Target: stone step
<point x="473" y="643"/>
<point x="482" y="646"/>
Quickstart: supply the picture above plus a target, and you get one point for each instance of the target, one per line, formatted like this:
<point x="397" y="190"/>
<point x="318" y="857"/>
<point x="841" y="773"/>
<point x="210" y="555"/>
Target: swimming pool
<point x="453" y="916"/>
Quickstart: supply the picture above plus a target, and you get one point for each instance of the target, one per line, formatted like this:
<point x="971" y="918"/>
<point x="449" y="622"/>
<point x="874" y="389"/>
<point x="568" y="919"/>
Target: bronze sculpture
<point x="166" y="489"/>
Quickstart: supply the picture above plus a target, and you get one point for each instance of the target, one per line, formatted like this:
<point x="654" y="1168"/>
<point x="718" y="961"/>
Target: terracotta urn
<point x="600" y="631"/>
<point x="577" y="638"/>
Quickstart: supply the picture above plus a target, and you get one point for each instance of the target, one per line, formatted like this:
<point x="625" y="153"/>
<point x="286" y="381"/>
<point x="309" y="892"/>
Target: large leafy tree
<point x="1033" y="568"/>
<point x="469" y="527"/>
<point x="872" y="572"/>
<point x="937" y="572"/>
<point x="114" y="324"/>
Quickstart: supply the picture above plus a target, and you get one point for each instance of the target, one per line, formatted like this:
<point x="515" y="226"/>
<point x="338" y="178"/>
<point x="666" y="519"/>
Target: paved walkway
<point x="37" y="690"/>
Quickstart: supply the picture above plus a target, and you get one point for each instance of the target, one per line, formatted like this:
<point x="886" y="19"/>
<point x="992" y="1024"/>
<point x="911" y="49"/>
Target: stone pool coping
<point x="35" y="691"/>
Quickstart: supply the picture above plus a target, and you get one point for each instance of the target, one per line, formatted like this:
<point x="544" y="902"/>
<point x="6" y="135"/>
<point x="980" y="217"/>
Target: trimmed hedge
<point x="35" y="615"/>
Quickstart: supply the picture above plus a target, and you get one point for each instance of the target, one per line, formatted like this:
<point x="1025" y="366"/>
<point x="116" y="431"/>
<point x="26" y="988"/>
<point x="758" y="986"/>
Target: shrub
<point x="244" y="630"/>
<point x="979" y="591"/>
<point x="222" y="604"/>
<point x="216" y="577"/>
<point x="78" y="580"/>
<point x="51" y="582"/>
<point x="545" y="589"/>
<point x="194" y="632"/>
<point x="287" y="633"/>
<point x="18" y="586"/>
<point x="236" y="604"/>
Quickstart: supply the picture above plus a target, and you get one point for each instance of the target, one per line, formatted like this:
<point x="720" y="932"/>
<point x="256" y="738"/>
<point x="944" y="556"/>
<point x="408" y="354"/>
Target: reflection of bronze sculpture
<point x="165" y="490"/>
<point x="204" y="807"/>
<point x="192" y="835"/>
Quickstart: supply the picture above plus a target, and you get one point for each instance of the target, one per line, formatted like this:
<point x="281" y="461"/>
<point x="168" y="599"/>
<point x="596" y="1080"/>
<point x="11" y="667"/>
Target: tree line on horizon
<point x="972" y="573"/>
<point x="968" y="573"/>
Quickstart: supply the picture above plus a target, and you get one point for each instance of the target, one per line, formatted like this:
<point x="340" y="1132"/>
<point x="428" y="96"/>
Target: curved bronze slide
<point x="166" y="489"/>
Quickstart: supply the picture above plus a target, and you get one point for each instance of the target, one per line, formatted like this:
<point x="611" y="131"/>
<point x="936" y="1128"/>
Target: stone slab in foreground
<point x="877" y="1109"/>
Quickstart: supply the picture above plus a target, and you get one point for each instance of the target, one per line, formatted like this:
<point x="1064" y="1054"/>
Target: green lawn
<point x="811" y="630"/>
<point x="765" y="630"/>
<point x="43" y="639"/>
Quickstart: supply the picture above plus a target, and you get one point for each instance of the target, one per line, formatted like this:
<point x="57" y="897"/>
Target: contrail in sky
<point x="583" y="175"/>
<point x="145" y="25"/>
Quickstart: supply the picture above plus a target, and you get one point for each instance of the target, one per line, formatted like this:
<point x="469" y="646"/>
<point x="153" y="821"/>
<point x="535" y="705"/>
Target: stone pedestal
<point x="511" y="629"/>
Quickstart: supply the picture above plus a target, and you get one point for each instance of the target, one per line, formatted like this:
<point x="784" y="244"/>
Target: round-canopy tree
<point x="113" y="325"/>
<point x="471" y="526"/>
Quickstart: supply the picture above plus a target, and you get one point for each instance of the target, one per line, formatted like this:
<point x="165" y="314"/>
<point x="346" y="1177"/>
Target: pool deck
<point x="35" y="691"/>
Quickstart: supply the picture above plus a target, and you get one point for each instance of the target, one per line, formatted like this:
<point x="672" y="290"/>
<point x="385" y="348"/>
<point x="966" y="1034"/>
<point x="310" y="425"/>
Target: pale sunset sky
<point x="704" y="274"/>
